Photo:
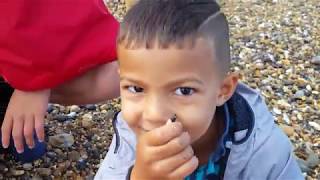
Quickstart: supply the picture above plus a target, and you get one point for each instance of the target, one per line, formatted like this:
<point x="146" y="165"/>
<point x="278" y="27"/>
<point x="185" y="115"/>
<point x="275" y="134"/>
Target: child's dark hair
<point x="161" y="23"/>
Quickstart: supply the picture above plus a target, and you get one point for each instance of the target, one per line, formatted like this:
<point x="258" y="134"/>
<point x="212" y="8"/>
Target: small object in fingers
<point x="173" y="118"/>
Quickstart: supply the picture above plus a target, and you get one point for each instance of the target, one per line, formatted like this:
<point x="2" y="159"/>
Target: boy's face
<point x="158" y="83"/>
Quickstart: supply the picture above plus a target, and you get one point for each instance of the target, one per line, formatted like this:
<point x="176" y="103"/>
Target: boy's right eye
<point x="135" y="89"/>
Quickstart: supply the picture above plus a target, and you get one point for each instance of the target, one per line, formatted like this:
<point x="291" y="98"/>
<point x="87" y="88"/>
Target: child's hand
<point x="25" y="113"/>
<point x="164" y="153"/>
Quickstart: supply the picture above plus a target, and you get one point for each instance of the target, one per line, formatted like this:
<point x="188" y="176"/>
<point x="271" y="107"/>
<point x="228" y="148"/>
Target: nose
<point x="156" y="111"/>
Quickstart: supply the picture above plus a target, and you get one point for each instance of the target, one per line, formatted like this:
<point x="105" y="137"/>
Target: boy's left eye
<point x="135" y="89"/>
<point x="184" y="91"/>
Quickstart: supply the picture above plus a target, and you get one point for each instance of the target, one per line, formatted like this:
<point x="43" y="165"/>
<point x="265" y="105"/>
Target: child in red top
<point x="54" y="51"/>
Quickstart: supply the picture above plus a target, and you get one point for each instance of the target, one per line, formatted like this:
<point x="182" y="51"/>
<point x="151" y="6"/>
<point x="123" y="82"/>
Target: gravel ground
<point x="276" y="48"/>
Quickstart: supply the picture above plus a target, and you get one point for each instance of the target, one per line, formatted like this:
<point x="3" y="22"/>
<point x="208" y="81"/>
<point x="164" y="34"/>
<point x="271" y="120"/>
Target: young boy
<point x="48" y="54"/>
<point x="184" y="115"/>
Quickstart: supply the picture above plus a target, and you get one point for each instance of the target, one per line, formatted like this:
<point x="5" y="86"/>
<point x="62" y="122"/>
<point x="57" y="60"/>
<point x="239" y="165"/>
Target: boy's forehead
<point x="196" y="59"/>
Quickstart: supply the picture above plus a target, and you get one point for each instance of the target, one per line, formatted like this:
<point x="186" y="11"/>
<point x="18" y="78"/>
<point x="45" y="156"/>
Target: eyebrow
<point x="177" y="81"/>
<point x="131" y="80"/>
<point x="183" y="80"/>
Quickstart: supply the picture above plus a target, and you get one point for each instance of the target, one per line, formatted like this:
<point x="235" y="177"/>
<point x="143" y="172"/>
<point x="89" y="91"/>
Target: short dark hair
<point x="161" y="23"/>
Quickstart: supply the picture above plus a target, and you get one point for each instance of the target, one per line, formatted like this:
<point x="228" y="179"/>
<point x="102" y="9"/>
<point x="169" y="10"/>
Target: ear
<point x="227" y="88"/>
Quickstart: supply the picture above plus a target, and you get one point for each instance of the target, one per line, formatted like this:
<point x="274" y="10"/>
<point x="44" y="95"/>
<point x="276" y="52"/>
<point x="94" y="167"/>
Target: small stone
<point x="316" y="60"/>
<point x="315" y="125"/>
<point x="312" y="160"/>
<point x="286" y="118"/>
<point x="51" y="155"/>
<point x="74" y="156"/>
<point x="299" y="94"/>
<point x="37" y="162"/>
<point x="50" y="108"/>
<point x="87" y="121"/>
<point x="58" y="151"/>
<point x="288" y="82"/>
<point x="299" y="116"/>
<point x="72" y="115"/>
<point x="46" y="162"/>
<point x="94" y="153"/>
<point x="57" y="172"/>
<point x="283" y="104"/>
<point x="301" y="82"/>
<point x="44" y="171"/>
<point x="309" y="88"/>
<point x="67" y="163"/>
<point x="62" y="140"/>
<point x="62" y="167"/>
<point x="287" y="129"/>
<point x="3" y="168"/>
<point x="16" y="172"/>
<point x="81" y="164"/>
<point x="69" y="173"/>
<point x="109" y="115"/>
<point x="74" y="108"/>
<point x="87" y="117"/>
<point x="27" y="166"/>
<point x="315" y="92"/>
<point x="104" y="107"/>
<point x="91" y="107"/>
<point x="61" y="118"/>
<point x="90" y="177"/>
<point x="303" y="165"/>
<point x="259" y="65"/>
<point x="36" y="177"/>
<point x="276" y="111"/>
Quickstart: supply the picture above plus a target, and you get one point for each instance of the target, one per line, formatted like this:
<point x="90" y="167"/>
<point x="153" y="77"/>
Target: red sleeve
<point x="44" y="43"/>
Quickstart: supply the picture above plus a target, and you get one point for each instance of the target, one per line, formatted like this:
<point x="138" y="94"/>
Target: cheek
<point x="198" y="117"/>
<point x="130" y="113"/>
<point x="198" y="125"/>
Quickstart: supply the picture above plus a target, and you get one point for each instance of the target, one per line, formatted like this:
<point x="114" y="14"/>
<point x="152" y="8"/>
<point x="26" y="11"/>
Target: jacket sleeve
<point x="116" y="165"/>
<point x="273" y="160"/>
<point x="45" y="43"/>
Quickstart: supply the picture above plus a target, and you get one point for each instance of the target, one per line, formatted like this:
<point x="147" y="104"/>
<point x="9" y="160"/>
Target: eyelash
<point x="191" y="91"/>
<point x="136" y="90"/>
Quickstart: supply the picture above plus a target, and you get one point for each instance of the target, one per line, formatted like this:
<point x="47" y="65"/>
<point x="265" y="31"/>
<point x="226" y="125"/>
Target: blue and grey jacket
<point x="259" y="149"/>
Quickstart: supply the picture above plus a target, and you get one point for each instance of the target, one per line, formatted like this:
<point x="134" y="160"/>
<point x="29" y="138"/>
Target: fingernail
<point x="5" y="146"/>
<point x="169" y="122"/>
<point x="31" y="147"/>
<point x="20" y="151"/>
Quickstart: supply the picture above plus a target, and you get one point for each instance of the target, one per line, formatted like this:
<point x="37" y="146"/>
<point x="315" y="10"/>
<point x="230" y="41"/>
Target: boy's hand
<point x="25" y="113"/>
<point x="164" y="153"/>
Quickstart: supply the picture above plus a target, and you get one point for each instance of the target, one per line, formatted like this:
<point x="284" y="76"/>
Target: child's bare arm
<point x="97" y="85"/>
<point x="26" y="110"/>
<point x="24" y="115"/>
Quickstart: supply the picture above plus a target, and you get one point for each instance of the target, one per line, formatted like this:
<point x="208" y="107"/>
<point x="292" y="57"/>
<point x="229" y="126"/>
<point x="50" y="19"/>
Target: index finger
<point x="39" y="127"/>
<point x="6" y="129"/>
<point x="163" y="134"/>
